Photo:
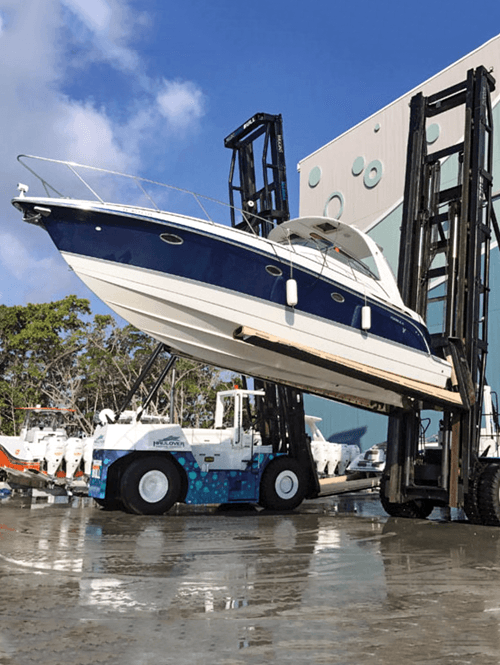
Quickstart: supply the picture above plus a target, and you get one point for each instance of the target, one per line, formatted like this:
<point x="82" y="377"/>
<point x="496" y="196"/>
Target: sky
<point x="153" y="87"/>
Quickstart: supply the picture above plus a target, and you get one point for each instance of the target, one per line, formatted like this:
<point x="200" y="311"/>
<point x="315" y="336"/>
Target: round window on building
<point x="334" y="206"/>
<point x="314" y="176"/>
<point x="373" y="173"/>
<point x="358" y="165"/>
<point x="432" y="133"/>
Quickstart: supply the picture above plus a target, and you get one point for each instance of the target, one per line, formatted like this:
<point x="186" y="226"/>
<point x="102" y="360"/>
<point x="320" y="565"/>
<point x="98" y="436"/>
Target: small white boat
<point x="370" y="462"/>
<point x="331" y="458"/>
<point x="43" y="453"/>
<point x="206" y="290"/>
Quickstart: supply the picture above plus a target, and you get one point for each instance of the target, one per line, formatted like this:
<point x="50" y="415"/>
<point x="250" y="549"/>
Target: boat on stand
<point x="43" y="456"/>
<point x="314" y="304"/>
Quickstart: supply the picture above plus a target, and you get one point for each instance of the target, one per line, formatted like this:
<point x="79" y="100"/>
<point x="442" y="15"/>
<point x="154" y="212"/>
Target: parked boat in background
<point x="331" y="458"/>
<point x="43" y="455"/>
<point x="370" y="462"/>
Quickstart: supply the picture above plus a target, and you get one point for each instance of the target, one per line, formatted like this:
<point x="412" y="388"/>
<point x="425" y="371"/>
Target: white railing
<point x="143" y="185"/>
<point x="72" y="174"/>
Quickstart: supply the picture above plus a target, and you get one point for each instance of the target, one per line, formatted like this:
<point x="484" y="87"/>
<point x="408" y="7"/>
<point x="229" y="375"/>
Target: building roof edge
<point x="406" y="94"/>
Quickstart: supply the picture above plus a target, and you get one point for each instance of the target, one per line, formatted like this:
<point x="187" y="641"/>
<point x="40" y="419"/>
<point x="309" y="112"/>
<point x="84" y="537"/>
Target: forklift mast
<point x="281" y="423"/>
<point x="443" y="274"/>
<point x="264" y="201"/>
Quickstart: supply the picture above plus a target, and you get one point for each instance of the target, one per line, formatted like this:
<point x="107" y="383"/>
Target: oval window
<point x="338" y="297"/>
<point x="274" y="271"/>
<point x="171" y="238"/>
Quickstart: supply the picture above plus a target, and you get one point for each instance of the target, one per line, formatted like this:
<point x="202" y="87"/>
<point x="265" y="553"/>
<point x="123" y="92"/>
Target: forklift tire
<point x="489" y="495"/>
<point x="150" y="485"/>
<point x="413" y="509"/>
<point x="283" y="485"/>
<point x="109" y="504"/>
<point x="471" y="499"/>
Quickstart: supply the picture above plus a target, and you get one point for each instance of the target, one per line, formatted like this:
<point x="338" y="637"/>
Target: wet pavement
<point x="336" y="582"/>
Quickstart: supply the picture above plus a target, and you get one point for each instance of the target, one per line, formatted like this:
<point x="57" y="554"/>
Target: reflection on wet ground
<point x="336" y="582"/>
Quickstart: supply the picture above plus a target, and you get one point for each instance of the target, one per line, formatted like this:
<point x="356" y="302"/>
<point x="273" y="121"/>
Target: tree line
<point x="58" y="354"/>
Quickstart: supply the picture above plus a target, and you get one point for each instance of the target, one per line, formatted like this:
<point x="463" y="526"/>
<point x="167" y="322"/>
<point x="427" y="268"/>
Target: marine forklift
<point x="444" y="262"/>
<point x="264" y="458"/>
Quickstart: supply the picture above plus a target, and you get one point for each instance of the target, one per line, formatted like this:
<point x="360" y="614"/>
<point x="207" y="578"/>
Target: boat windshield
<point x="44" y="420"/>
<point x="315" y="241"/>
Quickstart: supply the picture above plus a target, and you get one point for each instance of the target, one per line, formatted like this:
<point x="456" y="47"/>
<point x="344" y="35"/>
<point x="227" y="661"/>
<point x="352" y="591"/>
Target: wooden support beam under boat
<point x="345" y="484"/>
<point x="432" y="396"/>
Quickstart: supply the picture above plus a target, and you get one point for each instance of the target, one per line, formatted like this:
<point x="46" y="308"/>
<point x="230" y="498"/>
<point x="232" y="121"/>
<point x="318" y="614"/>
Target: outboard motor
<point x="73" y="453"/>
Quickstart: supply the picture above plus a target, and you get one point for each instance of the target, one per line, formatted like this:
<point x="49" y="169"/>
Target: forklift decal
<point x="169" y="442"/>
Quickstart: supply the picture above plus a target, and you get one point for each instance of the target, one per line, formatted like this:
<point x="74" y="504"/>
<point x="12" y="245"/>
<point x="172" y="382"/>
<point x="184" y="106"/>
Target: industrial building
<point x="359" y="178"/>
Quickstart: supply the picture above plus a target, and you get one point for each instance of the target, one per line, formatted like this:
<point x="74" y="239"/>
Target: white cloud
<point x="89" y="136"/>
<point x="109" y="25"/>
<point x="40" y="118"/>
<point x="95" y="13"/>
<point x="181" y="102"/>
<point x="41" y="277"/>
<point x="18" y="261"/>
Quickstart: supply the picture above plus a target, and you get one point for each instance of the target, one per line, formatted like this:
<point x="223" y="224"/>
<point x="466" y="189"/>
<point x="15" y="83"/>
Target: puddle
<point x="336" y="581"/>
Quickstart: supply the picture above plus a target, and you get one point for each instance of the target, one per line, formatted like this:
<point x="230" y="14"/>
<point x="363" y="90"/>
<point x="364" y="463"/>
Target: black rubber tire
<point x="283" y="485"/>
<point x="109" y="504"/>
<point x="414" y="509"/>
<point x="489" y="495"/>
<point x="112" y="500"/>
<point x="471" y="499"/>
<point x="150" y="485"/>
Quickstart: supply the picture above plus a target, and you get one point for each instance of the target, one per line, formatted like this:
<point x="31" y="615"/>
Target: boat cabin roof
<point x="333" y="231"/>
<point x="327" y="234"/>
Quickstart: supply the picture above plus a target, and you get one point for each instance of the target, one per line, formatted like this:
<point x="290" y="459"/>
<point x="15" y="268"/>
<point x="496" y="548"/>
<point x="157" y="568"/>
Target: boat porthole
<point x="274" y="271"/>
<point x="171" y="239"/>
<point x="338" y="297"/>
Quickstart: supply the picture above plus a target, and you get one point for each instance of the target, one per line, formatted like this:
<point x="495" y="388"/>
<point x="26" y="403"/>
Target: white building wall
<point x="359" y="176"/>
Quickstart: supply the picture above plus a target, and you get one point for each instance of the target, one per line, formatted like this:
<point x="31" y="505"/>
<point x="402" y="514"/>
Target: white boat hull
<point x="199" y="321"/>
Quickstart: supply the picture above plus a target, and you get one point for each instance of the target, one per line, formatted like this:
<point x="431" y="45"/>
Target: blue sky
<point x="153" y="87"/>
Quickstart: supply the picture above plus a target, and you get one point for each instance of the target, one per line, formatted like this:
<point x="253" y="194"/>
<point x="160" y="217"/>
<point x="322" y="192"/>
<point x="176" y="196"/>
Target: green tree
<point x="39" y="346"/>
<point x="57" y="354"/>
